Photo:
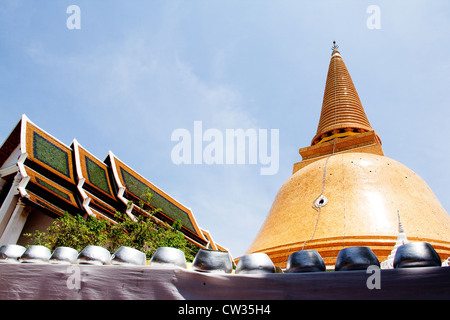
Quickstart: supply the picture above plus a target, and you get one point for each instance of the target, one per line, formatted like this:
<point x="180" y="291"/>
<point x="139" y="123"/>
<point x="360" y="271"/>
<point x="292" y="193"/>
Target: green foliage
<point x="142" y="234"/>
<point x="72" y="231"/>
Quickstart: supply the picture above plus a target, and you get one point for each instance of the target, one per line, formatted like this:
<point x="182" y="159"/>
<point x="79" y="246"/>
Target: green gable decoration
<point x="138" y="188"/>
<point x="50" y="154"/>
<point x="97" y="175"/>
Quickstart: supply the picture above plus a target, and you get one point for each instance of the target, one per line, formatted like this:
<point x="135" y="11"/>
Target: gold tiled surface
<point x="341" y="106"/>
<point x="362" y="142"/>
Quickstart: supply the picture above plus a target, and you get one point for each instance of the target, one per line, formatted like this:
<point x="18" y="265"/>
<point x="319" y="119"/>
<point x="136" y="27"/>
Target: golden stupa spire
<point x="342" y="112"/>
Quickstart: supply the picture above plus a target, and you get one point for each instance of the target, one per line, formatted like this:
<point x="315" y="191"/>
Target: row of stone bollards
<point x="413" y="254"/>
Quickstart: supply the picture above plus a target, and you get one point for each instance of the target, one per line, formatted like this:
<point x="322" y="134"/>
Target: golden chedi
<point x="345" y="192"/>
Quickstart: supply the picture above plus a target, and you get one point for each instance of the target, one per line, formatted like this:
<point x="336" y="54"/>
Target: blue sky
<point x="138" y="70"/>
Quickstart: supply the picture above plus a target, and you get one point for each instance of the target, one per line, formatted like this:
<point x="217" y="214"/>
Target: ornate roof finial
<point x="335" y="46"/>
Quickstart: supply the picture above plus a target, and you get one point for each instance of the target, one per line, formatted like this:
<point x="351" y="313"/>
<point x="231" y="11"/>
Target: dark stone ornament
<point x="305" y="261"/>
<point x="255" y="263"/>
<point x="212" y="261"/>
<point x="356" y="258"/>
<point x="416" y="254"/>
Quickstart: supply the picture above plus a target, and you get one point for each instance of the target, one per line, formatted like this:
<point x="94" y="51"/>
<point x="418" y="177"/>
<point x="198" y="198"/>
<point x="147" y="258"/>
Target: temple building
<point x="41" y="178"/>
<point x="345" y="192"/>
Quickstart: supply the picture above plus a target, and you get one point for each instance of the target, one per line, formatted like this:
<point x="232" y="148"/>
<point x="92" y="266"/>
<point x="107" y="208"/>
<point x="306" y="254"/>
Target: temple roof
<point x="57" y="178"/>
<point x="131" y="186"/>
